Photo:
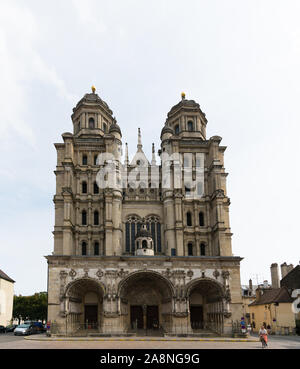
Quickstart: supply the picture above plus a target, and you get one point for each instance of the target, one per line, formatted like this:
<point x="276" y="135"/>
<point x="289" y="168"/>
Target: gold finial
<point x="93" y="89"/>
<point x="182" y="95"/>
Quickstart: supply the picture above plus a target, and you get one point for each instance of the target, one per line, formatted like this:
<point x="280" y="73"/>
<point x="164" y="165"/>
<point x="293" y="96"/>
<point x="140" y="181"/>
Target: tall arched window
<point x="177" y="130"/>
<point x="83" y="217"/>
<point x="104" y="127"/>
<point x="83" y="248"/>
<point x="96" y="248"/>
<point x="202" y="249"/>
<point x="190" y="249"/>
<point x="84" y="187"/>
<point x="188" y="219"/>
<point x="84" y="159"/>
<point x="96" y="217"/>
<point x="190" y="126"/>
<point x="91" y="123"/>
<point x="95" y="159"/>
<point x="133" y="225"/>
<point x="96" y="188"/>
<point x="201" y="219"/>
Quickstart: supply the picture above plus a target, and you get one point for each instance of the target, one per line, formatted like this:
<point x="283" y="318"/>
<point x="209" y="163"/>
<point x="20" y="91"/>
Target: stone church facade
<point x="140" y="244"/>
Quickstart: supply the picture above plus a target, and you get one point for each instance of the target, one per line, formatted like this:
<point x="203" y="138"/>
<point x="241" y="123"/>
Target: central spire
<point x="139" y="145"/>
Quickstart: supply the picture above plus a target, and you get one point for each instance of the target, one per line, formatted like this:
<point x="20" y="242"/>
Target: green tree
<point x="30" y="307"/>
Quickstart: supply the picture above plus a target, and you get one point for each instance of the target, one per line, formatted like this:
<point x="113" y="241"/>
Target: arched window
<point x="84" y="159"/>
<point x="200" y="191"/>
<point x="144" y="244"/>
<point x="96" y="248"/>
<point x="91" y="123"/>
<point x="96" y="188"/>
<point x="133" y="225"/>
<point x="83" y="248"/>
<point x="84" y="187"/>
<point x="83" y="217"/>
<point x="95" y="159"/>
<point x="190" y="249"/>
<point x="78" y="126"/>
<point x="202" y="249"/>
<point x="104" y="127"/>
<point x="201" y="219"/>
<point x="190" y="126"/>
<point x="188" y="219"/>
<point x="96" y="217"/>
<point x="177" y="130"/>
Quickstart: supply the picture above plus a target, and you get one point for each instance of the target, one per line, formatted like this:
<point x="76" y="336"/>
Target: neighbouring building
<point x="147" y="251"/>
<point x="6" y="298"/>
<point x="273" y="305"/>
<point x="248" y="296"/>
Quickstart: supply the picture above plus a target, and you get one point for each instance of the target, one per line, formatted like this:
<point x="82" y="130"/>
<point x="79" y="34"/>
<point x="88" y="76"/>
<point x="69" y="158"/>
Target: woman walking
<point x="263" y="336"/>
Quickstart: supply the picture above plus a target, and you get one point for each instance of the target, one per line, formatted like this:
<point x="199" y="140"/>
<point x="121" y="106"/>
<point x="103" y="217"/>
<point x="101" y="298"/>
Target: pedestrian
<point x="263" y="336"/>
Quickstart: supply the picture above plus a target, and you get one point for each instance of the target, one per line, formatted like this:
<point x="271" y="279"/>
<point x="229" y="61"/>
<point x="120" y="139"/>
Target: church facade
<point x="142" y="244"/>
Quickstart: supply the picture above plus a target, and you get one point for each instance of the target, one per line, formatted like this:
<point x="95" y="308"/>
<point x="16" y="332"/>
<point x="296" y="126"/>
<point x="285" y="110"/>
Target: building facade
<point x="6" y="298"/>
<point x="140" y="244"/>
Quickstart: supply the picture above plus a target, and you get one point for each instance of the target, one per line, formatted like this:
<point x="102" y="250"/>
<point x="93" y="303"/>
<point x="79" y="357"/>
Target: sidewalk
<point x="107" y="339"/>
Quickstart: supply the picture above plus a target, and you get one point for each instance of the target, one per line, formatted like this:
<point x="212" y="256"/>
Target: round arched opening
<point x="206" y="305"/>
<point x="85" y="300"/>
<point x="146" y="300"/>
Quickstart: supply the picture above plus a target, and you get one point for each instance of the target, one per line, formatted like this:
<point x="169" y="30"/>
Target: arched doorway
<point x="85" y="301"/>
<point x="205" y="298"/>
<point x="146" y="301"/>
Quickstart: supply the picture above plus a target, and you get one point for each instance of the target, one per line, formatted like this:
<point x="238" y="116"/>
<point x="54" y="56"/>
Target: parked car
<point x="23" y="330"/>
<point x="10" y="328"/>
<point x="2" y="329"/>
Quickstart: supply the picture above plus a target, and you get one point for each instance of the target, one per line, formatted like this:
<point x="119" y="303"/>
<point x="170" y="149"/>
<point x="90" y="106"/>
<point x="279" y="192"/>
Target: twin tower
<point x="122" y="224"/>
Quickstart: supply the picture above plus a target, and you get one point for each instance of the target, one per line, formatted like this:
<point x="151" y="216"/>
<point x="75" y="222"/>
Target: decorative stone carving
<point x="167" y="273"/>
<point x="99" y="274"/>
<point x="190" y="274"/>
<point x="63" y="276"/>
<point x="216" y="273"/>
<point x="122" y="273"/>
<point x="72" y="273"/>
<point x="86" y="273"/>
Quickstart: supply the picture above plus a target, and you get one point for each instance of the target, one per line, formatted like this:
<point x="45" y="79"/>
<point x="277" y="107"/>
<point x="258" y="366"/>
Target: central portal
<point x="146" y="302"/>
<point x="144" y="317"/>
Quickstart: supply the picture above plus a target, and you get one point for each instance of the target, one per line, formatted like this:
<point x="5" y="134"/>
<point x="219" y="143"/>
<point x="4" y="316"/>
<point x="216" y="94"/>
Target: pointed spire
<point x="153" y="161"/>
<point x="139" y="145"/>
<point x="126" y="154"/>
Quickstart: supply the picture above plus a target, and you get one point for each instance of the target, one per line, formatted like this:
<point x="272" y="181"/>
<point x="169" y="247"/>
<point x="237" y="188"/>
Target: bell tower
<point x="91" y="116"/>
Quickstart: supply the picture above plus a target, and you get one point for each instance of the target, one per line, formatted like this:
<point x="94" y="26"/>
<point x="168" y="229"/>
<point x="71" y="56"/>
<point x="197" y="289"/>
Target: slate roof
<point x="273" y="295"/>
<point x="6" y="277"/>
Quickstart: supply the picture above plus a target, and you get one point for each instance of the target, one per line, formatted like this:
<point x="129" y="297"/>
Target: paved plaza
<point x="9" y="341"/>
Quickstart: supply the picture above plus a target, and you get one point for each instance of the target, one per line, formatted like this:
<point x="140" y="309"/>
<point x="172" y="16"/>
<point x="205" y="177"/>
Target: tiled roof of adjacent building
<point x="5" y="276"/>
<point x="273" y="295"/>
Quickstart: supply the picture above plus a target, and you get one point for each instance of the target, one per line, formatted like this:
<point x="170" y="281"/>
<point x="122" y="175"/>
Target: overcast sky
<point x="239" y="60"/>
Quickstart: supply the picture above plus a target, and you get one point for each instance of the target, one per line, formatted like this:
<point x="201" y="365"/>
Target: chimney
<point x="290" y="267"/>
<point x="283" y="270"/>
<point x="258" y="293"/>
<point x="250" y="285"/>
<point x="274" y="275"/>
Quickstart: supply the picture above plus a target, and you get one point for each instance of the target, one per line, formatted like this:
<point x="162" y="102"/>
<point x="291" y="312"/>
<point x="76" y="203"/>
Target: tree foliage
<point x="31" y="307"/>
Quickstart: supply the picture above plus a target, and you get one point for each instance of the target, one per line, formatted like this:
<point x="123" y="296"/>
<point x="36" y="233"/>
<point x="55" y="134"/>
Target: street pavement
<point x="9" y="341"/>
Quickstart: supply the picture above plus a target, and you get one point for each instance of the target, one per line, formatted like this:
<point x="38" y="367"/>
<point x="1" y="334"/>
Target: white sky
<point x="239" y="59"/>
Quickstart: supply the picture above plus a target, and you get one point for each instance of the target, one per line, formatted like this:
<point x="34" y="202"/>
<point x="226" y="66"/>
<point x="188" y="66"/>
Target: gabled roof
<point x="6" y="277"/>
<point x="273" y="295"/>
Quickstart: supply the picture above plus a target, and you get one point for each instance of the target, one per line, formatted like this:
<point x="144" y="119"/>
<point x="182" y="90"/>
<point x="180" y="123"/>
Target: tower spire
<point x="153" y="161"/>
<point x="139" y="145"/>
<point x="126" y="155"/>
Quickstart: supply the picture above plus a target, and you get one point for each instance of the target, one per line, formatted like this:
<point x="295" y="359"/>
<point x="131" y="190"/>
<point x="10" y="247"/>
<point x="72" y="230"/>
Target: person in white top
<point x="263" y="336"/>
